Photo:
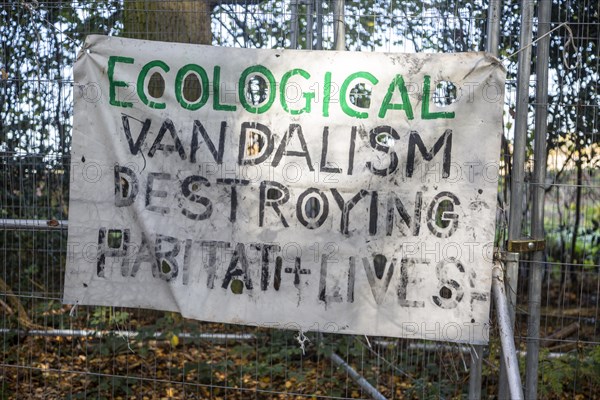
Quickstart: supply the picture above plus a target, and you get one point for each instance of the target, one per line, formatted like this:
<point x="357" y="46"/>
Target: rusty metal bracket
<point x="526" y="245"/>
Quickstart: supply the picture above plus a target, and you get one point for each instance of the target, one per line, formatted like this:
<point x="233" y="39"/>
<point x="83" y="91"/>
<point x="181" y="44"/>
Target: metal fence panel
<point x="104" y="352"/>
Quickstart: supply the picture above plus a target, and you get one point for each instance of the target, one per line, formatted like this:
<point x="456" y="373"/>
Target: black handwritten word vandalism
<point x="168" y="140"/>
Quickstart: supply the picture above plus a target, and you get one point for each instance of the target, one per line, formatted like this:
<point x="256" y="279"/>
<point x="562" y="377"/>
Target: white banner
<point x="315" y="190"/>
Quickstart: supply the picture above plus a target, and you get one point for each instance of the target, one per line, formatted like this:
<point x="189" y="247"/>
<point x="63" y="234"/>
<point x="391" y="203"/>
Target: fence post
<point x="475" y="372"/>
<point x="507" y="338"/>
<point x="309" y="24"/>
<point x="491" y="46"/>
<point x="537" y="215"/>
<point x="339" y="28"/>
<point x="517" y="182"/>
<point x="319" y="11"/>
<point x="492" y="42"/>
<point x="294" y="24"/>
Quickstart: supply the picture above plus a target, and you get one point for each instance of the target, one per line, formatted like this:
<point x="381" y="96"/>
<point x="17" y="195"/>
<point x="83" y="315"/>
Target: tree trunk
<point x="184" y="21"/>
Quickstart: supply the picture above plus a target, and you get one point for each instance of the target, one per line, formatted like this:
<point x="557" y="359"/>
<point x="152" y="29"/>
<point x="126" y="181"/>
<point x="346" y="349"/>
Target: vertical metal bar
<point x="517" y="183"/>
<point x="475" y="373"/>
<point x="294" y="24"/>
<point x="511" y="262"/>
<point x="537" y="215"/>
<point x="520" y="140"/>
<point x="319" y="44"/>
<point x="309" y="24"/>
<point x="507" y="340"/>
<point x="492" y="42"/>
<point x="491" y="46"/>
<point x="339" y="26"/>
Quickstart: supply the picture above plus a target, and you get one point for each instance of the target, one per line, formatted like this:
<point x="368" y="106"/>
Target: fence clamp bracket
<point x="526" y="245"/>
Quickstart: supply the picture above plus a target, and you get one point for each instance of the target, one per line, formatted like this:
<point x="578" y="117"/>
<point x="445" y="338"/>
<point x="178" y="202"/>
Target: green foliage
<point x="573" y="99"/>
<point x="562" y="376"/>
<point x="587" y="244"/>
<point x="107" y="317"/>
<point x="4" y="392"/>
<point x="423" y="388"/>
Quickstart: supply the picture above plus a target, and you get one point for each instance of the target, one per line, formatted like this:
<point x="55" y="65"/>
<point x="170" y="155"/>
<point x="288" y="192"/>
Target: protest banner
<point x="314" y="190"/>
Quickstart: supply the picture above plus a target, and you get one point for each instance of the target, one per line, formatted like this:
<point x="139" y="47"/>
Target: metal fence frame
<point x="505" y="310"/>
